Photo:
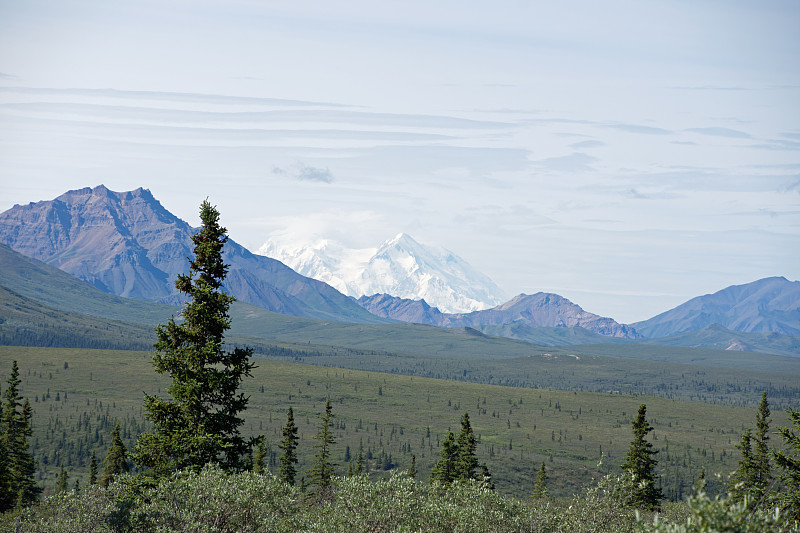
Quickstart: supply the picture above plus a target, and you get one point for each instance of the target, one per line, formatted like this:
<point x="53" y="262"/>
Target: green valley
<point x="78" y="395"/>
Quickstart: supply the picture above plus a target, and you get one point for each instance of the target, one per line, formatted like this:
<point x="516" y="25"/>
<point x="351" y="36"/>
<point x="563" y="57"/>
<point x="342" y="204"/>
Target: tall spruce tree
<point x="466" y="460"/>
<point x="5" y="489"/>
<point x="61" y="480"/>
<point x="116" y="460"/>
<point x="540" y="485"/>
<point x="93" y="469"/>
<point x="640" y="464"/>
<point x="743" y="479"/>
<point x="753" y="475"/>
<point x="19" y="470"/>
<point x="762" y="473"/>
<point x="444" y="471"/>
<point x="322" y="471"/>
<point x="458" y="460"/>
<point x="288" y="444"/>
<point x="788" y="463"/>
<point x="260" y="455"/>
<point x="200" y="424"/>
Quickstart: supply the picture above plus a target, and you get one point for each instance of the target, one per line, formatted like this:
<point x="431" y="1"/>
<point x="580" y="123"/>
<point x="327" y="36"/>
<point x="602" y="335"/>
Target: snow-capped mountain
<point x="400" y="266"/>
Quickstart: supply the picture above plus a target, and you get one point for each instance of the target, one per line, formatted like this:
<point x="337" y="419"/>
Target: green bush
<point x="213" y="500"/>
<point x="720" y="514"/>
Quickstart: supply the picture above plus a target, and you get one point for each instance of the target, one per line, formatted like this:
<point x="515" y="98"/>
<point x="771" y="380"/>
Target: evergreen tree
<point x="116" y="460"/>
<point x="27" y="490"/>
<point x="742" y="480"/>
<point x="762" y="467"/>
<point x="540" y="485"/>
<point x="486" y="477"/>
<point x="445" y="469"/>
<point x="788" y="461"/>
<point x="322" y="471"/>
<point x="641" y="464"/>
<point x="19" y="469"/>
<point x="754" y="473"/>
<point x="458" y="460"/>
<point x="412" y="472"/>
<point x="289" y="446"/>
<point x="359" y="463"/>
<point x="200" y="424"/>
<point x="93" y="469"/>
<point x="260" y="455"/>
<point x="61" y="480"/>
<point x="466" y="460"/>
<point x="5" y="482"/>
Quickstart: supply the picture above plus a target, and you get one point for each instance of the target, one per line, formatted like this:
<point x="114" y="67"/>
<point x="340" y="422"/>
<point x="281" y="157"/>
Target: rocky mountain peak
<point x="128" y="244"/>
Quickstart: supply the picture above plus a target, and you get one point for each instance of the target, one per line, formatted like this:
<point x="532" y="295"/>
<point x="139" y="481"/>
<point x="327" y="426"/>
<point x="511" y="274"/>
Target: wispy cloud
<point x="777" y="144"/>
<point x="792" y="186"/>
<point x="166" y="96"/>
<point x="587" y="144"/>
<point x="638" y="128"/>
<point x="301" y="171"/>
<point x="638" y="195"/>
<point x="574" y="162"/>
<point x="721" y="132"/>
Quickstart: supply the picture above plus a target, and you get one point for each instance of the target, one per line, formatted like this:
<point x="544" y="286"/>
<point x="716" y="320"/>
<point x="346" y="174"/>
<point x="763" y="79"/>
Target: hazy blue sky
<point x="626" y="155"/>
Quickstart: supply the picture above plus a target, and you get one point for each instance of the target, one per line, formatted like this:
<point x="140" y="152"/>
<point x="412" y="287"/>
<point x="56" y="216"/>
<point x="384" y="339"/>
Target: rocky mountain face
<point x="400" y="266"/>
<point x="536" y="310"/>
<point x="766" y="305"/>
<point x="128" y="244"/>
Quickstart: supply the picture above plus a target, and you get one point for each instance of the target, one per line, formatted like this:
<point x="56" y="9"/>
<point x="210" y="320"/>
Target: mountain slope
<point x="766" y="305"/>
<point x="26" y="322"/>
<point x="401" y="267"/>
<point x="536" y="310"/>
<point x="129" y="245"/>
<point x="55" y="288"/>
<point x="720" y="338"/>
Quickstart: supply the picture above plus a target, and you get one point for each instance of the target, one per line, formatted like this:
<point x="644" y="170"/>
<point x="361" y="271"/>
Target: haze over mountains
<point x="128" y="244"/>
<point x="400" y="266"/>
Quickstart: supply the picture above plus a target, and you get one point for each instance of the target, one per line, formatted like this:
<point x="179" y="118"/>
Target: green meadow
<point x="78" y="394"/>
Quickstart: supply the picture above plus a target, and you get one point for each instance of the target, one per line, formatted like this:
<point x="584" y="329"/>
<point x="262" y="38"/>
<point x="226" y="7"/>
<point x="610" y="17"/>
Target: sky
<point x="625" y="155"/>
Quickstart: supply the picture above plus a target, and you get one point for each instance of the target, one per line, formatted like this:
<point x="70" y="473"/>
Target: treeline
<point x="53" y="335"/>
<point x="712" y="385"/>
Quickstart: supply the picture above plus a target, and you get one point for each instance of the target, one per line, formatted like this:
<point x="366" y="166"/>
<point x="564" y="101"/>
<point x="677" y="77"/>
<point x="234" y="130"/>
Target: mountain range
<point x="766" y="305"/>
<point x="537" y="310"/>
<point x="400" y="266"/>
<point x="41" y="305"/>
<point x="128" y="245"/>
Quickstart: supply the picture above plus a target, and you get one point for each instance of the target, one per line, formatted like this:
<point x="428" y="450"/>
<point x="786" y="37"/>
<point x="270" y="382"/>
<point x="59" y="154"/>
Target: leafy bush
<point x="213" y="500"/>
<point x="720" y="514"/>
